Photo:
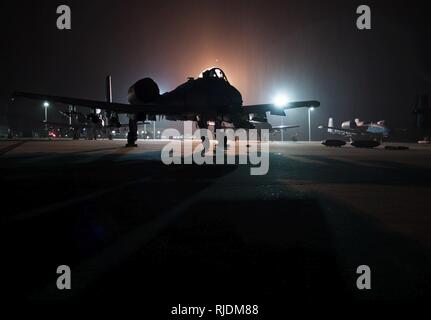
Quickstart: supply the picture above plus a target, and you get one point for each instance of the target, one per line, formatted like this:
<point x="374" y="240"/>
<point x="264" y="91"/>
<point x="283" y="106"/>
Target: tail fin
<point x="330" y="125"/>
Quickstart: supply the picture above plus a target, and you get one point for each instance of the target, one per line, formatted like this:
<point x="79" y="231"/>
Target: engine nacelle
<point x="143" y="91"/>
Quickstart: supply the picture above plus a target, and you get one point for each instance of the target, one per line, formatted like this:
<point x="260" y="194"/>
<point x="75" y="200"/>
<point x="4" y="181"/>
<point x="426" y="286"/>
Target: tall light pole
<point x="309" y="122"/>
<point x="281" y="131"/>
<point x="45" y="106"/>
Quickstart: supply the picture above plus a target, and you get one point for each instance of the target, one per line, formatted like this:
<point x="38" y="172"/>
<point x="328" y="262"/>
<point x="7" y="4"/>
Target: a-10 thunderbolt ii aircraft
<point x="210" y="98"/>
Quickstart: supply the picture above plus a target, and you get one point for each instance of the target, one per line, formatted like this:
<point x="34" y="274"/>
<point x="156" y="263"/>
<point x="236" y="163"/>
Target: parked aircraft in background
<point x="361" y="134"/>
<point x="357" y="127"/>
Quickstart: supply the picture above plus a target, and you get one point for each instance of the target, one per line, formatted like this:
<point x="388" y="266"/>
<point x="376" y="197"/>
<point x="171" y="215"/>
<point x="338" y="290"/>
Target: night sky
<point x="307" y="49"/>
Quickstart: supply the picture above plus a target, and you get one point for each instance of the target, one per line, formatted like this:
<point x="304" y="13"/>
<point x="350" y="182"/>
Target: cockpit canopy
<point x="213" y="73"/>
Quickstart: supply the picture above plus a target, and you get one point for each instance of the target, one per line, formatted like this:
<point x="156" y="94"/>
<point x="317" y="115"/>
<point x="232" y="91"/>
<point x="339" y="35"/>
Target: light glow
<point x="281" y="100"/>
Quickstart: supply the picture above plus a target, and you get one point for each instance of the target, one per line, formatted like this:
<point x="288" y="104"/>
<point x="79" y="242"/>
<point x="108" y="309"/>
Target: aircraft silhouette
<point x="210" y="98"/>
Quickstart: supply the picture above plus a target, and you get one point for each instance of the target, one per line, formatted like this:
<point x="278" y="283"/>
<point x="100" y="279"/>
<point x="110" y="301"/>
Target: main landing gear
<point x="132" y="135"/>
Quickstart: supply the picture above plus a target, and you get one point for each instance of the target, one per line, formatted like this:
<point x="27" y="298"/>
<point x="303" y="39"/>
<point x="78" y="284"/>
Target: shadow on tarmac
<point x="299" y="248"/>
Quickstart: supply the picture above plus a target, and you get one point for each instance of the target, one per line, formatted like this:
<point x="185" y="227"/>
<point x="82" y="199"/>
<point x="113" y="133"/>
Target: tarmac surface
<point x="132" y="228"/>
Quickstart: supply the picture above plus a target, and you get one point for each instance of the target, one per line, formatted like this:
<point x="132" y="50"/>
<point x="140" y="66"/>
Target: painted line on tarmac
<point x="59" y="205"/>
<point x="11" y="147"/>
<point x="112" y="257"/>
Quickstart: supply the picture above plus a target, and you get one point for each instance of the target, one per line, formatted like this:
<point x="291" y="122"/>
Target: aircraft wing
<point x="149" y="108"/>
<point x="284" y="127"/>
<point x="259" y="108"/>
<point x="154" y="108"/>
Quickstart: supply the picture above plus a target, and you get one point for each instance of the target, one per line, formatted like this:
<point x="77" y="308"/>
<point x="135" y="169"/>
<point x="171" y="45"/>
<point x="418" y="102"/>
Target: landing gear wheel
<point x="132" y="136"/>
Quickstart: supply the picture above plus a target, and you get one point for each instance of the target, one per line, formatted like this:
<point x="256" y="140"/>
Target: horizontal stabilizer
<point x="275" y="110"/>
<point x="148" y="108"/>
